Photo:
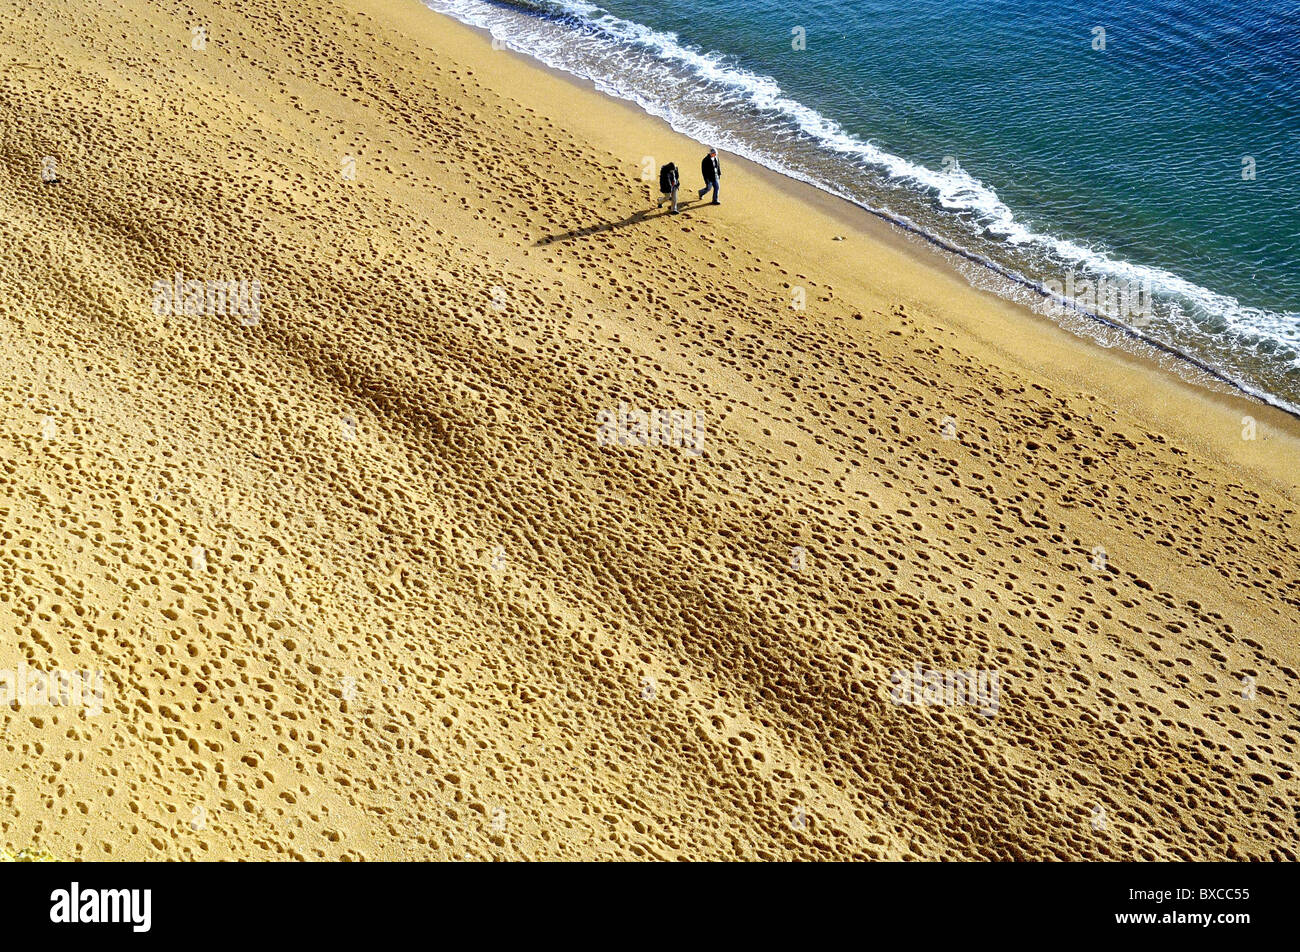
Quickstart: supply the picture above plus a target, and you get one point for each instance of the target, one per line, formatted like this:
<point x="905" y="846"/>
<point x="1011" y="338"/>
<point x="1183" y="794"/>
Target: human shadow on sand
<point x="645" y="215"/>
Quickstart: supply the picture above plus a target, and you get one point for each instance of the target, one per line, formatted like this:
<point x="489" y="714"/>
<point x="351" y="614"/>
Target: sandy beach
<point x="399" y="483"/>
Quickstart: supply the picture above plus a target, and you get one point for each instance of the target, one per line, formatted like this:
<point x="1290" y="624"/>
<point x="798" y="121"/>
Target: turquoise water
<point x="1166" y="157"/>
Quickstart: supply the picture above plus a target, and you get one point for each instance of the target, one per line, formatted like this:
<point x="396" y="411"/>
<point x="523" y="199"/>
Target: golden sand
<point x="363" y="582"/>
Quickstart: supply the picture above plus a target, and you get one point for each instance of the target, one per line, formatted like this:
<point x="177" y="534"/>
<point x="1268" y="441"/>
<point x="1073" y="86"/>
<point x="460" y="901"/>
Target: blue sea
<point x="1150" y="145"/>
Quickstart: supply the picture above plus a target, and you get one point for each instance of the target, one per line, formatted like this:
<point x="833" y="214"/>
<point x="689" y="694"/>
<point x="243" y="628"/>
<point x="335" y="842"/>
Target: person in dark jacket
<point x="668" y="182"/>
<point x="712" y="175"/>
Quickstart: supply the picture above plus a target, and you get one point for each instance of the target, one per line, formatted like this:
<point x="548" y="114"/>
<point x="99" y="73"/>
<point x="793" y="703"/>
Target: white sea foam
<point x="694" y="91"/>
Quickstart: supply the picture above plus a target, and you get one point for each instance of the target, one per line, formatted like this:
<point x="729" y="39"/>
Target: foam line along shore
<point x="1249" y="344"/>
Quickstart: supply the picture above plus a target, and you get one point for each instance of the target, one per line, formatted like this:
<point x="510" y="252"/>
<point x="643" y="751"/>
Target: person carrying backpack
<point x="712" y="175"/>
<point x="668" y="182"/>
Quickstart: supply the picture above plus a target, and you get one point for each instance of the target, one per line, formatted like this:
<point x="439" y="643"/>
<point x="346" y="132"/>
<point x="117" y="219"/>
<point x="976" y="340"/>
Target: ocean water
<point x="1138" y="161"/>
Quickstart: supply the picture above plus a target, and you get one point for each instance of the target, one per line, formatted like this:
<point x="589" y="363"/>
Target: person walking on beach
<point x="669" y="180"/>
<point x="712" y="175"/>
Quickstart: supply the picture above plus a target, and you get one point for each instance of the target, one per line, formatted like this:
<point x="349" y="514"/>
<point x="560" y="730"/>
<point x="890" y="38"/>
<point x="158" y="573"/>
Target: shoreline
<point x="898" y="228"/>
<point x="366" y="579"/>
<point x="929" y="252"/>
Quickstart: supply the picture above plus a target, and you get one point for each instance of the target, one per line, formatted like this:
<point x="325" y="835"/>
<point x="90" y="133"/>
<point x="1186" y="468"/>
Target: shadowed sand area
<point x="364" y="584"/>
